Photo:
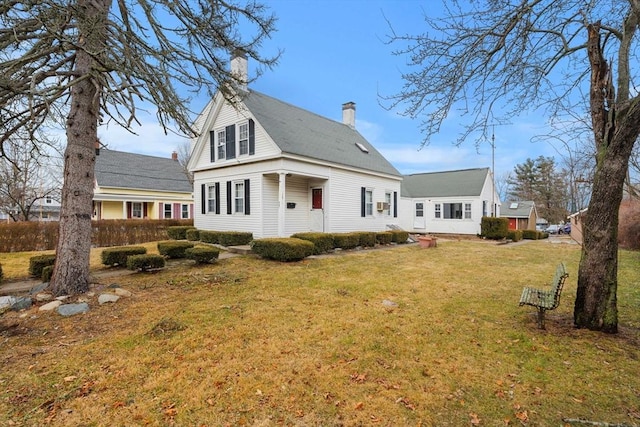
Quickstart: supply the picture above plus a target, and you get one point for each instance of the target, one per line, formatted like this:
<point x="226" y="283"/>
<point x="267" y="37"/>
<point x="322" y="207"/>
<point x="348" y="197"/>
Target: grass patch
<point x="253" y="342"/>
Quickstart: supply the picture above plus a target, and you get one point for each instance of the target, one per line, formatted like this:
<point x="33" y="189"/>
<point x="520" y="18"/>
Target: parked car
<point x="566" y="229"/>
<point x="552" y="229"/>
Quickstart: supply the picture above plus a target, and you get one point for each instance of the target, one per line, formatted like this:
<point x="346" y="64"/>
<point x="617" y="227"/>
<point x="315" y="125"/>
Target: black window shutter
<point x="203" y="198"/>
<point x="212" y="145"/>
<point x="231" y="141"/>
<point x="218" y="201"/>
<point x="247" y="200"/>
<point x="395" y="204"/>
<point x="229" y="198"/>
<point x="252" y="137"/>
<point x="363" y="207"/>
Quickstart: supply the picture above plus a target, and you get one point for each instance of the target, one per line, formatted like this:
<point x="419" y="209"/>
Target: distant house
<point x="522" y="215"/>
<point x="274" y="169"/>
<point x="447" y="202"/>
<point x="129" y="185"/>
<point x="577" y="220"/>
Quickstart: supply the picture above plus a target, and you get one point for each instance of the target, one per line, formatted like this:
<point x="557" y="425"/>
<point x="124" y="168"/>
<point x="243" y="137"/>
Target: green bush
<point x="345" y="240"/>
<point x="145" y="262"/>
<point x="118" y="254"/>
<point x="202" y="254"/>
<point x="514" y="235"/>
<point x="399" y="236"/>
<point x="178" y="232"/>
<point x="235" y="238"/>
<point x="283" y="249"/>
<point x="208" y="236"/>
<point x="494" y="228"/>
<point x="37" y="263"/>
<point x="366" y="239"/>
<point x="384" y="237"/>
<point x="193" y="234"/>
<point x="534" y="234"/>
<point x="47" y="272"/>
<point x="322" y="242"/>
<point x="174" y="248"/>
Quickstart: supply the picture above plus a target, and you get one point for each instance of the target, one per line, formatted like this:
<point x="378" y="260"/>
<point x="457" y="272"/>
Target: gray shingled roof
<point x="519" y="209"/>
<point x="117" y="169"/>
<point x="460" y="183"/>
<point x="300" y="132"/>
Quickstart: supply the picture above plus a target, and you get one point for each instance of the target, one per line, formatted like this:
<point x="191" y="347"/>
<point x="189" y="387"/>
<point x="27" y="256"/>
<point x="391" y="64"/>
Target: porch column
<point x="124" y="209"/>
<point x="282" y="178"/>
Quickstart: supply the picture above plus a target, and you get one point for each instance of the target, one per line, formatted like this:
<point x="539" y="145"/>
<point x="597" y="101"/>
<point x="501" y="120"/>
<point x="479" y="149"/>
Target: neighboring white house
<point x="447" y="202"/>
<point x="273" y="169"/>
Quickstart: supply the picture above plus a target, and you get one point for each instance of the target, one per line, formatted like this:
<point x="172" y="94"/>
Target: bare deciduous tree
<point x="96" y="61"/>
<point x="494" y="59"/>
<point x="29" y="174"/>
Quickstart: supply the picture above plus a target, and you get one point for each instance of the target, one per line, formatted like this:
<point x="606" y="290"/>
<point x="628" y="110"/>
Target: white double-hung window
<point x="243" y="139"/>
<point x="221" y="139"/>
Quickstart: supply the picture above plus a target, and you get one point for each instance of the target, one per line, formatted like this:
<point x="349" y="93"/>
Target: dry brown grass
<point x="252" y="342"/>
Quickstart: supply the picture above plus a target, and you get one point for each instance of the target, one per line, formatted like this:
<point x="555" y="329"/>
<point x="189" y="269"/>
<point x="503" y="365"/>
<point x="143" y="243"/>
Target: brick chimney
<point x="349" y="114"/>
<point x="174" y="156"/>
<point x="239" y="68"/>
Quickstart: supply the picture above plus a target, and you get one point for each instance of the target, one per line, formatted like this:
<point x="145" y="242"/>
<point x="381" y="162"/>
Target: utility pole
<point x="493" y="173"/>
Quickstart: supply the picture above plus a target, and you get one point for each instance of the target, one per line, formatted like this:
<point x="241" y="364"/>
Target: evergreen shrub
<point x="202" y="254"/>
<point x="174" y="248"/>
<point x="514" y="235"/>
<point x="366" y="239"/>
<point x="399" y="236"/>
<point x="283" y="249"/>
<point x="145" y="262"/>
<point x="346" y="240"/>
<point x="494" y="228"/>
<point x="322" y="242"/>
<point x="384" y="237"/>
<point x="118" y="254"/>
<point x="47" y="272"/>
<point x="193" y="234"/>
<point x="38" y="262"/>
<point x="178" y="232"/>
<point x="235" y="238"/>
<point x="209" y="236"/>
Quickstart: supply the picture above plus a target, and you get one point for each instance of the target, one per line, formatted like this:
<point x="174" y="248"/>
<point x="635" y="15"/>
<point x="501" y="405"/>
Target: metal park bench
<point x="545" y="300"/>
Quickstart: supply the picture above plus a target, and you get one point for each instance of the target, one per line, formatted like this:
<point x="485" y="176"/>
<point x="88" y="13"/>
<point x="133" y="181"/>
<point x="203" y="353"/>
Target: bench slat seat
<point x="545" y="300"/>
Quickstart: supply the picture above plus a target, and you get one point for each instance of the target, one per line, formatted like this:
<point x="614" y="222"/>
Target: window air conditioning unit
<point x="382" y="206"/>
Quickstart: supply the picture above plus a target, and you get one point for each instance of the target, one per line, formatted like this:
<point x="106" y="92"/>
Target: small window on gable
<point x="243" y="139"/>
<point x="221" y="137"/>
<point x="362" y="147"/>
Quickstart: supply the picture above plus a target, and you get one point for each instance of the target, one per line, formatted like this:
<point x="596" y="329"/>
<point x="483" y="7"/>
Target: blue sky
<point x="334" y="52"/>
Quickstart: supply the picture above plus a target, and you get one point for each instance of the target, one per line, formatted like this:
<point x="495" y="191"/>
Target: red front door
<point x="316" y="198"/>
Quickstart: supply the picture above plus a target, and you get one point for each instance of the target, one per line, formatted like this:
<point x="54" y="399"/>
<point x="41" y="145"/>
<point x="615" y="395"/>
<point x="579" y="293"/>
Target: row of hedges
<point x="498" y="228"/>
<point x="40" y="236"/>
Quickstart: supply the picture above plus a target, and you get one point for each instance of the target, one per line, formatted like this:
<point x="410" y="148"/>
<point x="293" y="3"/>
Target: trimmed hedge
<point x="118" y="255"/>
<point x="179" y="232"/>
<point x="235" y="238"/>
<point x="346" y="240"/>
<point x="384" y="237"/>
<point x="47" y="272"/>
<point x="209" y="236"/>
<point x="193" y="234"/>
<point x="202" y="254"/>
<point x="322" y="242"/>
<point x="174" y="248"/>
<point x="494" y="228"/>
<point x="514" y="235"/>
<point x="39" y="262"/>
<point x="145" y="262"/>
<point x="366" y="239"/>
<point x="283" y="249"/>
<point x="534" y="234"/>
<point x="399" y="236"/>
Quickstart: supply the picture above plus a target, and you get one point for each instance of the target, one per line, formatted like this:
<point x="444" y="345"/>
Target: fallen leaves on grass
<point x="166" y="328"/>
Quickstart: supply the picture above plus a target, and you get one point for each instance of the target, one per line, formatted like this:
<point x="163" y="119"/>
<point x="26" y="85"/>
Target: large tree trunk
<point x="71" y="271"/>
<point x="616" y="127"/>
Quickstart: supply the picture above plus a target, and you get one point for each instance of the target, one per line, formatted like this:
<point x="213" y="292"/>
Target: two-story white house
<point x="274" y="169"/>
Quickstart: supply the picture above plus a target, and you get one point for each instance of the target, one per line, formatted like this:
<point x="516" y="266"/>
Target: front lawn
<point x="402" y="336"/>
